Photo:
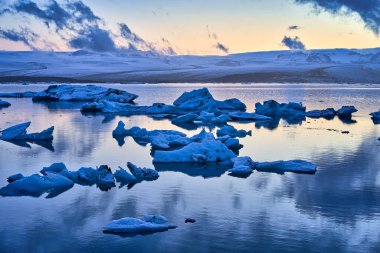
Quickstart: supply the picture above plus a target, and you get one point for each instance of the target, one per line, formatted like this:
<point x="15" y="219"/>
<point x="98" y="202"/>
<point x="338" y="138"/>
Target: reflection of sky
<point x="243" y="26"/>
<point x="334" y="210"/>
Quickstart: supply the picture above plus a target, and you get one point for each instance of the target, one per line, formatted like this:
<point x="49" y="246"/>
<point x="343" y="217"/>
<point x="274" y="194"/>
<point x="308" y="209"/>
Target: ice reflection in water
<point x="335" y="210"/>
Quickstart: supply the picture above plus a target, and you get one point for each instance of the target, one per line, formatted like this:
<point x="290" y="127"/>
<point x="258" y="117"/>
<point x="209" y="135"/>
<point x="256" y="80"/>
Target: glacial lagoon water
<point x="335" y="210"/>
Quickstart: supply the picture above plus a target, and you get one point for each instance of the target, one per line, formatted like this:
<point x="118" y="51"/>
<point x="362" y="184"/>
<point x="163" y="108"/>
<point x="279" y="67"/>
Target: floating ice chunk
<point x="206" y="116"/>
<point x="14" y="132"/>
<point x="298" y="166"/>
<point x="157" y="219"/>
<point x="232" y="104"/>
<point x="375" y="117"/>
<point x="15" y="177"/>
<point x="328" y="113"/>
<point x="35" y="185"/>
<point x="274" y="109"/>
<point x="124" y="176"/>
<point x="194" y="99"/>
<point x="89" y="93"/>
<point x="106" y="106"/>
<point x="190" y="117"/>
<point x="246" y="116"/>
<point x="4" y="103"/>
<point x="27" y="94"/>
<point x="18" y="132"/>
<point x="208" y="150"/>
<point x="221" y="119"/>
<point x="160" y="108"/>
<point x="346" y="111"/>
<point x="142" y="173"/>
<point x="232" y="132"/>
<point x="150" y="224"/>
<point x="102" y="176"/>
<point x="233" y="144"/>
<point x="55" y="167"/>
<point x="242" y="166"/>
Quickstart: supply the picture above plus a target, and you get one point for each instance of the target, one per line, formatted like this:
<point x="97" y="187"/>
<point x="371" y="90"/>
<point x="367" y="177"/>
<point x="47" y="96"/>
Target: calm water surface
<point x="335" y="210"/>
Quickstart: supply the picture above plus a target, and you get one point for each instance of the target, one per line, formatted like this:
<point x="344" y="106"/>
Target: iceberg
<point x="242" y="166"/>
<point x="142" y="173"/>
<point x="105" y="106"/>
<point x="190" y="117"/>
<point x="90" y="93"/>
<point x="297" y="166"/>
<point x="18" y="132"/>
<point x="232" y="132"/>
<point x="328" y="113"/>
<point x="124" y="176"/>
<point x="36" y="185"/>
<point x="159" y="139"/>
<point x="208" y="150"/>
<point x="27" y="94"/>
<point x="15" y="177"/>
<point x="346" y="111"/>
<point x="246" y="116"/>
<point x="4" y="103"/>
<point x="375" y="117"/>
<point x="272" y="108"/>
<point x="101" y="176"/>
<point x="55" y="167"/>
<point x="150" y="224"/>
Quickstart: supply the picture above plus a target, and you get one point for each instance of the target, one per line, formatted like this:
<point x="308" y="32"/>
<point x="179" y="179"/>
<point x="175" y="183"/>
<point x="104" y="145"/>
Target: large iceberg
<point x="298" y="166"/>
<point x="208" y="150"/>
<point x="90" y="93"/>
<point x="18" y="132"/>
<point x="36" y="185"/>
<point x="150" y="224"/>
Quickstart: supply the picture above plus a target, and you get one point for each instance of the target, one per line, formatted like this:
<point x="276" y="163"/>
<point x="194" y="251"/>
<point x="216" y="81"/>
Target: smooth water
<point x="335" y="210"/>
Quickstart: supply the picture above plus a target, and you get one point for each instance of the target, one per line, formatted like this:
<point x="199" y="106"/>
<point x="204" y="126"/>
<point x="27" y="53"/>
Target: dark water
<point x="335" y="210"/>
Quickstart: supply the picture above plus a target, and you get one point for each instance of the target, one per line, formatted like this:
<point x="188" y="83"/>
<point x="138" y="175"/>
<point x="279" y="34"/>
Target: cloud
<point x="294" y="27"/>
<point x="293" y="43"/>
<point x="221" y="47"/>
<point x="368" y="10"/>
<point x="24" y="35"/>
<point x="77" y="25"/>
<point x="94" y="39"/>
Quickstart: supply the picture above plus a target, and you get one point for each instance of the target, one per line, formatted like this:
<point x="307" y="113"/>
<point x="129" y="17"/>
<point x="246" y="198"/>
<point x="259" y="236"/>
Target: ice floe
<point x="18" y="132"/>
<point x="149" y="224"/>
<point x="298" y="166"/>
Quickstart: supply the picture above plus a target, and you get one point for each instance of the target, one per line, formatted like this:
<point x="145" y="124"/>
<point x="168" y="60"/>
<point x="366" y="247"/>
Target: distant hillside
<point x="312" y="66"/>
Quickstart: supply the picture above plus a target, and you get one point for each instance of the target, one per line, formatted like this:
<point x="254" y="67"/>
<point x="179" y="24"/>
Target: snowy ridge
<point x="323" y="66"/>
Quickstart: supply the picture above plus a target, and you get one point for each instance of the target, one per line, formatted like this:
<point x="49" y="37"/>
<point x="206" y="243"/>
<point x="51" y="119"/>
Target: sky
<point x="200" y="27"/>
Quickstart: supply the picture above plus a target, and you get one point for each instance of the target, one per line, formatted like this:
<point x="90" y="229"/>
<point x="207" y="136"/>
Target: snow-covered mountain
<point x="320" y="66"/>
